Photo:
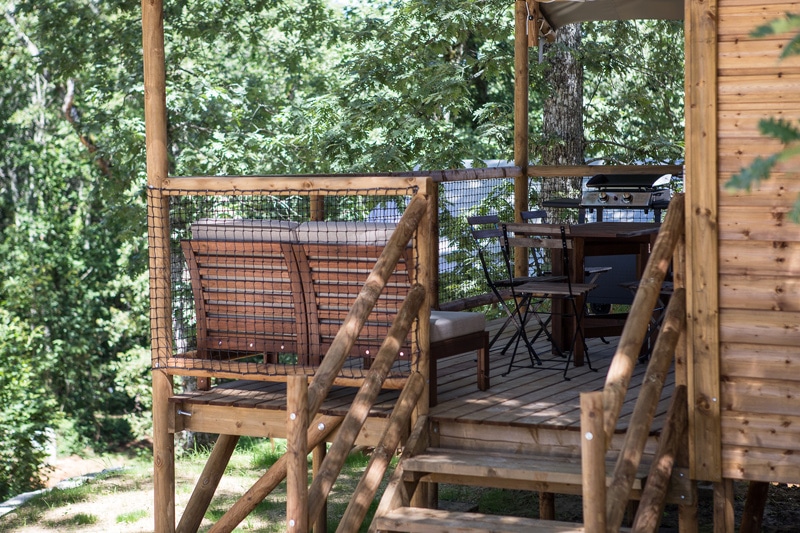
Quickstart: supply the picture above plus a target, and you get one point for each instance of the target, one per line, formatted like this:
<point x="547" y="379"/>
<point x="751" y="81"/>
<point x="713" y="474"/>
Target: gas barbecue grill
<point x="620" y="191"/>
<point x="642" y="191"/>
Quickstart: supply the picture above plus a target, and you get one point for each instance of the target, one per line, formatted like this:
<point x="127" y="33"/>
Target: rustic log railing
<point x="596" y="439"/>
<point x="304" y="504"/>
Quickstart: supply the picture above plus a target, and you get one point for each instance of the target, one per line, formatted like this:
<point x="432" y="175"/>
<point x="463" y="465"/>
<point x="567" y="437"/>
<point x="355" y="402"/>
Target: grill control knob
<point x="627" y="198"/>
<point x="602" y="197"/>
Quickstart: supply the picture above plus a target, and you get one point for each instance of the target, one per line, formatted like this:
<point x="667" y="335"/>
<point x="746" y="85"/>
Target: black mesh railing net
<point x="259" y="290"/>
<point x="460" y="273"/>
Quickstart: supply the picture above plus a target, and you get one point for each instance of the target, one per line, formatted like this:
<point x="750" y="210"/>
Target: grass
<point x="122" y="500"/>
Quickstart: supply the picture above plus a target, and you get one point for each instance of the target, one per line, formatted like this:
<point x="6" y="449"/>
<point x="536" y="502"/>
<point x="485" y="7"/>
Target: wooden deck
<point x="526" y="409"/>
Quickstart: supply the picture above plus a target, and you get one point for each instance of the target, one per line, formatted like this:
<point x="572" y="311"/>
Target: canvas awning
<point x="560" y="12"/>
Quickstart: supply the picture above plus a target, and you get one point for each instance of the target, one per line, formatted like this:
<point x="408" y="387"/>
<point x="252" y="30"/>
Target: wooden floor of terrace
<point x="526" y="409"/>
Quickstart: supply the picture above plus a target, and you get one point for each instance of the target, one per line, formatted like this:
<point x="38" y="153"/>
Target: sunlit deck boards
<point x="533" y="396"/>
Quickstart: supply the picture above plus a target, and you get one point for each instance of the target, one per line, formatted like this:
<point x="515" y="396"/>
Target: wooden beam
<point x="702" y="240"/>
<point x="593" y="464"/>
<point x="521" y="89"/>
<point x="297" y="496"/>
<point x="753" y="514"/>
<point x="155" y="113"/>
<point x="318" y="455"/>
<point x="207" y="484"/>
<point x="723" y="506"/>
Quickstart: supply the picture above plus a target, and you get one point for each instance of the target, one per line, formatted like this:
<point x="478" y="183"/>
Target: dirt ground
<point x="131" y="497"/>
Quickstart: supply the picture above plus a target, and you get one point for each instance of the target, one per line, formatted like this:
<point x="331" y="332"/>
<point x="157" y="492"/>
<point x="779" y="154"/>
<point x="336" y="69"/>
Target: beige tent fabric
<point x="560" y="12"/>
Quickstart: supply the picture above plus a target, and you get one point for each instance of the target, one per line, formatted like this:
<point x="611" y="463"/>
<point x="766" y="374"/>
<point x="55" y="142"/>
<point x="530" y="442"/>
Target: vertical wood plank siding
<point x="759" y="252"/>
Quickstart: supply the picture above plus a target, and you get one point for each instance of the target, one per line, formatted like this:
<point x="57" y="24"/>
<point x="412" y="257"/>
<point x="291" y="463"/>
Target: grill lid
<point x="629" y="181"/>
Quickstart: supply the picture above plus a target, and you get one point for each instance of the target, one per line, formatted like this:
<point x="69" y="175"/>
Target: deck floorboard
<point x="527" y="396"/>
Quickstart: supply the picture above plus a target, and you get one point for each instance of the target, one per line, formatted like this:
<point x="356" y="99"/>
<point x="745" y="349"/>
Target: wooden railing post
<point x="297" y="450"/>
<point x="593" y="464"/>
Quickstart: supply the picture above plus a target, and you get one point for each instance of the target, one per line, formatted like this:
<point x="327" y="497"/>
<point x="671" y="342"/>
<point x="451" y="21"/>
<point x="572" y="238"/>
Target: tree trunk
<point x="563" y="142"/>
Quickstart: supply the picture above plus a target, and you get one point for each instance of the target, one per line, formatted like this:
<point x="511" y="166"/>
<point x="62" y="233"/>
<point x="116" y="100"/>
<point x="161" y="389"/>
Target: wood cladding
<point x="759" y="250"/>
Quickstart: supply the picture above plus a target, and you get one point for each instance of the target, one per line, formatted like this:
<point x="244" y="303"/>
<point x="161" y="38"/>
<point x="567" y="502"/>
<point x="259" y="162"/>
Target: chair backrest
<point x="244" y="299"/>
<point x="490" y="239"/>
<point x="335" y="259"/>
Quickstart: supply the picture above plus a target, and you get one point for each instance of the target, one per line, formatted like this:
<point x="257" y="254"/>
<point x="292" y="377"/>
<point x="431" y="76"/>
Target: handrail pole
<point x="380" y="458"/>
<point x="643" y="413"/>
<point x="345" y="338"/>
<point x="625" y="358"/>
<point x="363" y="402"/>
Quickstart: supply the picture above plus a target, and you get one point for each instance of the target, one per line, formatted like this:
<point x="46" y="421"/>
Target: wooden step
<point x="548" y="473"/>
<point x="418" y="520"/>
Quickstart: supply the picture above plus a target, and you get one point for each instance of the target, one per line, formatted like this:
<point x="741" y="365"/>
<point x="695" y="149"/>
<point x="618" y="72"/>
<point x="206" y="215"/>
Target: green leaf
<point x="780" y="129"/>
<point x="758" y="170"/>
<point x="781" y="25"/>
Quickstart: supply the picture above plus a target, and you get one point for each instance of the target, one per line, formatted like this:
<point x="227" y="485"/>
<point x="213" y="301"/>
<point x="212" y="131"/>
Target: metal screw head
<point x="321" y="426"/>
<point x="292" y="416"/>
<point x="589" y="435"/>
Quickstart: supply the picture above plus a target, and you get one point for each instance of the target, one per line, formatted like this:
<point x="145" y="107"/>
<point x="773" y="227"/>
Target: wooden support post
<point x="297" y="451"/>
<point x="644" y="411"/>
<point x="398" y="492"/>
<point x="521" y="89"/>
<point x="651" y="505"/>
<point x="723" y="506"/>
<point x="155" y="111"/>
<point x="702" y="238"/>
<point x="207" y="484"/>
<point x="547" y="506"/>
<point x="318" y="455"/>
<point x="593" y="463"/>
<point x="363" y="402"/>
<point x="630" y="343"/>
<point x="381" y="456"/>
<point x="753" y="514"/>
<point x="317" y="433"/>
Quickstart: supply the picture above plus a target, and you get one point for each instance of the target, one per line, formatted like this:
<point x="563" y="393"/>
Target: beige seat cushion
<point x="366" y="233"/>
<point x="450" y="324"/>
<point x="243" y="230"/>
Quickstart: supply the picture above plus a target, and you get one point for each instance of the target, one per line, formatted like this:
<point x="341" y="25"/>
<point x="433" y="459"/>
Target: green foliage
<point x="633" y="93"/>
<point x="784" y="131"/>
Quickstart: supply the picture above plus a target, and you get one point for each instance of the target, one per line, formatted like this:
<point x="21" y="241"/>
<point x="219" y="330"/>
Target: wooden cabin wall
<point x="759" y="251"/>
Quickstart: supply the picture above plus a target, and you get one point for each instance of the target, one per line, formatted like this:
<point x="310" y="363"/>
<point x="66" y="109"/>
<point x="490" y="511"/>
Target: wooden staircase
<point x="556" y="473"/>
<point x="606" y="479"/>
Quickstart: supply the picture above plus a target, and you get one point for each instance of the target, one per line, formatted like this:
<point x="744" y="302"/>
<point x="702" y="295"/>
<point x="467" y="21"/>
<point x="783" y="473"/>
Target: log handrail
<point x="616" y="496"/>
<point x="381" y="456"/>
<point x="633" y="333"/>
<point x="336" y="356"/>
<point x="643" y="413"/>
<point x="363" y="402"/>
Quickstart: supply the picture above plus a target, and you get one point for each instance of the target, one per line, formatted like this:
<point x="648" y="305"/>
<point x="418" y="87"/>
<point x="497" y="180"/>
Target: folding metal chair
<point x="532" y="294"/>
<point x="498" y="270"/>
